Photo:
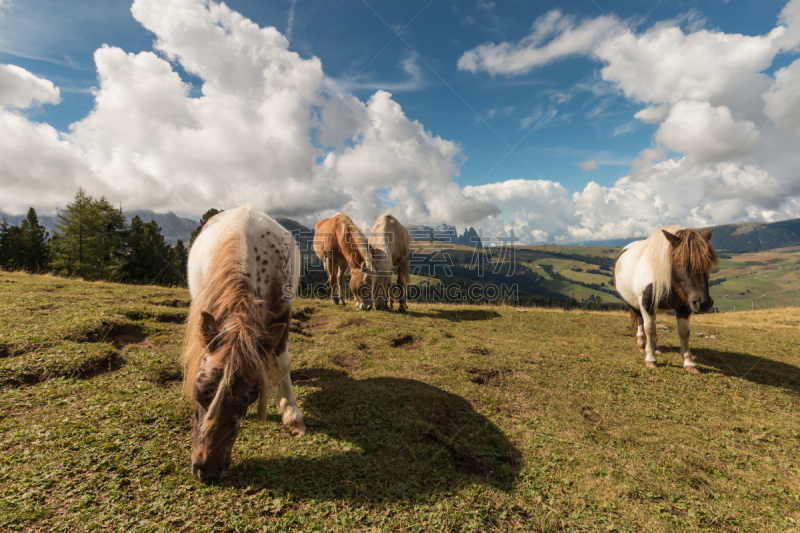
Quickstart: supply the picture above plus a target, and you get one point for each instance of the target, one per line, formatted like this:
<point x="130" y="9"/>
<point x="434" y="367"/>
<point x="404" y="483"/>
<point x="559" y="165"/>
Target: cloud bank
<point x="725" y="147"/>
<point x="258" y="123"/>
<point x="259" y="127"/>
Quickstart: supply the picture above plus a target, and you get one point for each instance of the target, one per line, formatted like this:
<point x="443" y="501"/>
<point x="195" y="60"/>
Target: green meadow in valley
<point x="448" y="418"/>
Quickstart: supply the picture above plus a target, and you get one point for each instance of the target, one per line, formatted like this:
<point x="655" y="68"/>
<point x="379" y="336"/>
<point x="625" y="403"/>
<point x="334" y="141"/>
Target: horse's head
<point x="224" y="387"/>
<point x="361" y="287"/>
<point x="382" y="277"/>
<point x="693" y="260"/>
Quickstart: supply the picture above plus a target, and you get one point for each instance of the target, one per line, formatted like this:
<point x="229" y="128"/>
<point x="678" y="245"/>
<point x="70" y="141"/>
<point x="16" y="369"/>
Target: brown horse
<point x="390" y="245"/>
<point x="669" y="270"/>
<point x="339" y="243"/>
<point x="243" y="274"/>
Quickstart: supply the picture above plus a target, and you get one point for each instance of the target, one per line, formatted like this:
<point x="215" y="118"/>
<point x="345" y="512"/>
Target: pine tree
<point x="34" y="248"/>
<point x="147" y="257"/>
<point x="206" y="216"/>
<point x="5" y="244"/>
<point x="179" y="258"/>
<point x="90" y="238"/>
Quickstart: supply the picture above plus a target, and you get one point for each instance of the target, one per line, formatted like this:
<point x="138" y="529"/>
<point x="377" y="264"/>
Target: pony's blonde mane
<point x="238" y="345"/>
<point x="381" y="241"/>
<point x="656" y="253"/>
<point x="692" y="252"/>
<point x="359" y="239"/>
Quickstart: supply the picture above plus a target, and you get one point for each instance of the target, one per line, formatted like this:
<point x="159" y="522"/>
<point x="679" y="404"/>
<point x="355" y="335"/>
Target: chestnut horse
<point x="390" y="246"/>
<point x="668" y="270"/>
<point x="243" y="274"/>
<point x="339" y="243"/>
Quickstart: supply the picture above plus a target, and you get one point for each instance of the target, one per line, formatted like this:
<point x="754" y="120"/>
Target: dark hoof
<point x="402" y="309"/>
<point x="650" y="364"/>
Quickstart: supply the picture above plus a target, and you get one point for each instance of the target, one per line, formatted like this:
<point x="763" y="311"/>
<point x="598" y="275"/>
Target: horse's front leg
<point x="683" y="332"/>
<point x="649" y="326"/>
<point x="285" y="401"/>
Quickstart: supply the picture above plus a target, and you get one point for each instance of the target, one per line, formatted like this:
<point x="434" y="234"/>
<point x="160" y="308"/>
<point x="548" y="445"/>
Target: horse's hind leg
<point x="330" y="268"/>
<point x="286" y="403"/>
<point x="683" y="332"/>
<point x="637" y="325"/>
<point x="403" y="278"/>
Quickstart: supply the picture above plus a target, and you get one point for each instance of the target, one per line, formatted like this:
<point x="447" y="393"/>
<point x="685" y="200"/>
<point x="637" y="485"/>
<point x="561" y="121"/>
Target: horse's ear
<point x="670" y="237"/>
<point x="707" y="234"/>
<point x="209" y="328"/>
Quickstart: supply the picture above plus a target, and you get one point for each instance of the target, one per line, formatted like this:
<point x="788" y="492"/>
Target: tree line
<point x="94" y="240"/>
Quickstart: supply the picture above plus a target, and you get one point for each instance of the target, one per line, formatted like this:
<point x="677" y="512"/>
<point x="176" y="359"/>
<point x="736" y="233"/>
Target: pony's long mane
<point x="655" y="253"/>
<point x="359" y="239"/>
<point x="380" y="233"/>
<point x="238" y="345"/>
<point x="692" y="252"/>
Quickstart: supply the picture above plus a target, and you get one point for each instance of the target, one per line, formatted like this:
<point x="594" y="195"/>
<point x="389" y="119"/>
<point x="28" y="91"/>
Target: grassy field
<point x="764" y="280"/>
<point x="448" y="418"/>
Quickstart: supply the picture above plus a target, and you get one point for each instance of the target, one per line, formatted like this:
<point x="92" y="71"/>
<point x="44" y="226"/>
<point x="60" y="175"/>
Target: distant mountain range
<point x="172" y="226"/>
<point x="445" y="232"/>
<point x="749" y="237"/>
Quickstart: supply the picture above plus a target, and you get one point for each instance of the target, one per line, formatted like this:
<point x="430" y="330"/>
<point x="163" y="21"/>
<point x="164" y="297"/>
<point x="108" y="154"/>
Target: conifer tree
<point x="34" y="249"/>
<point x="5" y="244"/>
<point x="179" y="257"/>
<point x="148" y="257"/>
<point x="90" y="238"/>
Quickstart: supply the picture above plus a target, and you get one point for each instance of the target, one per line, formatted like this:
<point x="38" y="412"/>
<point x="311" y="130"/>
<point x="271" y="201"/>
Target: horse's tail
<point x="634" y="322"/>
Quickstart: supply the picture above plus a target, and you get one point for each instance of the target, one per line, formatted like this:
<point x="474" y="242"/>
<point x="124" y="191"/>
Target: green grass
<point x="765" y="280"/>
<point x="448" y="418"/>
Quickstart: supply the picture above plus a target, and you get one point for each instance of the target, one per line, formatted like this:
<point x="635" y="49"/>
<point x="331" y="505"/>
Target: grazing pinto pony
<point x="390" y="246"/>
<point x="243" y="273"/>
<point x="339" y="243"/>
<point x="669" y="270"/>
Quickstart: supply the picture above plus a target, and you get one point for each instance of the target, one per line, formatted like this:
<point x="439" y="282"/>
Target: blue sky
<point x="555" y="115"/>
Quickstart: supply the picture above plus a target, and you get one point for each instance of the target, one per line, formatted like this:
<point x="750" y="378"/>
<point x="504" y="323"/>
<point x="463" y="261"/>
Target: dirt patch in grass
<point x="477" y="350"/>
<point x="406" y="342"/>
<point x="358" y="322"/>
<point x="117" y="334"/>
<point x="172" y="303"/>
<point x="14" y="350"/>
<point x="486" y="376"/>
<point x="165" y="374"/>
<point x="303" y="314"/>
<point x="348" y="361"/>
<point x="70" y="360"/>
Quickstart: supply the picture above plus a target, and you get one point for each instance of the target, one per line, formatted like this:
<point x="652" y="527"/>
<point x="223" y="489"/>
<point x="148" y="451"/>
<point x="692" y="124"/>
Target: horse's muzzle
<point x="207" y="475"/>
<point x="702" y="306"/>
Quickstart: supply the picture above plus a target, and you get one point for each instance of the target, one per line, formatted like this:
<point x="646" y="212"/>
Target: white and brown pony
<point x="339" y="243"/>
<point x="390" y="246"/>
<point x="243" y="274"/>
<point x="668" y="270"/>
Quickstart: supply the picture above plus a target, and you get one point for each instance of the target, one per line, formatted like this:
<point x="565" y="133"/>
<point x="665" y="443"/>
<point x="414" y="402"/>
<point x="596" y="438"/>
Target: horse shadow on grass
<point x="753" y="368"/>
<point x="460" y="315"/>
<point x="400" y="438"/>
